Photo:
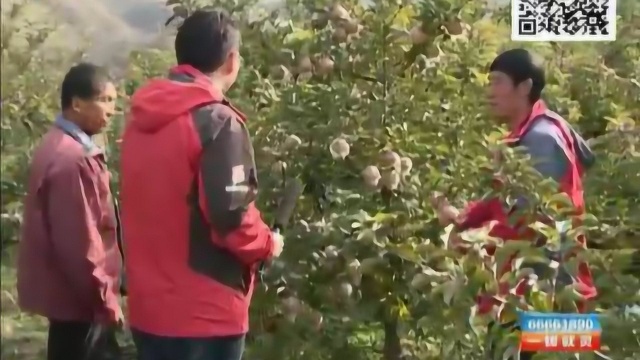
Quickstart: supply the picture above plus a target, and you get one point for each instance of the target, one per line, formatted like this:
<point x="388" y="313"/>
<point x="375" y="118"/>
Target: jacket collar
<point x="200" y="79"/>
<point x="77" y="134"/>
<point x="205" y="81"/>
<point x="539" y="108"/>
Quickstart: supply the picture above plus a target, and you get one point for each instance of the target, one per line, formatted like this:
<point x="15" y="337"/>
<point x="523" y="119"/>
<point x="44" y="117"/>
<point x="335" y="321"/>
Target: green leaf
<point x="405" y="251"/>
<point x="558" y="201"/>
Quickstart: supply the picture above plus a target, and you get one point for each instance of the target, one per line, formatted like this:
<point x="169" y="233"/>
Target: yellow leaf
<point x="403" y="311"/>
<point x="402" y="18"/>
<point x="574" y="114"/>
<point x="540" y="301"/>
<point x="298" y="35"/>
<point x="382" y="217"/>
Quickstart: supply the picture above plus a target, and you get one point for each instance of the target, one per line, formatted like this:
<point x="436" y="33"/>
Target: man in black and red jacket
<point x="194" y="237"/>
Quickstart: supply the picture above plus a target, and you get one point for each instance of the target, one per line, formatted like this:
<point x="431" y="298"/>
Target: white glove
<point x="278" y="243"/>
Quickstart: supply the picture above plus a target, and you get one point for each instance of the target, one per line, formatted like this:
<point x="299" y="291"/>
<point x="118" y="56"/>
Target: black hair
<point x="205" y="38"/>
<point x="84" y="81"/>
<point x="521" y="65"/>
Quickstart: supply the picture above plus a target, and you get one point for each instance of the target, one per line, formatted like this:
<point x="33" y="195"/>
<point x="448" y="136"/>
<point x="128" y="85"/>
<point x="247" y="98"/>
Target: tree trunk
<point x="392" y="347"/>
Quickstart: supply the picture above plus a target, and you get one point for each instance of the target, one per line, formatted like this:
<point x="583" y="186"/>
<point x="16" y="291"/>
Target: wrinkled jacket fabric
<point x="68" y="258"/>
<point x="539" y="134"/>
<point x="193" y="236"/>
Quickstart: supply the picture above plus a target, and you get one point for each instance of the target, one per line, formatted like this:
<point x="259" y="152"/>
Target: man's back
<point x="155" y="184"/>
<point x="181" y="283"/>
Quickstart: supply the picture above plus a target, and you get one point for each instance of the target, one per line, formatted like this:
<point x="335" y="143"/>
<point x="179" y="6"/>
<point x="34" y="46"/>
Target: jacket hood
<point x="585" y="155"/>
<point x="160" y="101"/>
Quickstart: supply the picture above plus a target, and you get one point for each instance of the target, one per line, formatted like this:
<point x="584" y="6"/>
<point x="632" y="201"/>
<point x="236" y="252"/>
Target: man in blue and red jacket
<point x="193" y="235"/>
<point x="556" y="149"/>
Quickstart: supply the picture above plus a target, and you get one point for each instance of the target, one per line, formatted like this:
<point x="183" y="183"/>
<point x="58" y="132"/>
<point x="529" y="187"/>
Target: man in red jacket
<point x="68" y="257"/>
<point x="193" y="235"/>
<point x="557" y="151"/>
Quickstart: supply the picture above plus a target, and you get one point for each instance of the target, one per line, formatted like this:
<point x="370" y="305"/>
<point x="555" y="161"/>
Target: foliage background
<point x="353" y="254"/>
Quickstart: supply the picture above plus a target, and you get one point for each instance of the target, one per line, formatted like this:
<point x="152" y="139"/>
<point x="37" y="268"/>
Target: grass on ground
<point x="24" y="336"/>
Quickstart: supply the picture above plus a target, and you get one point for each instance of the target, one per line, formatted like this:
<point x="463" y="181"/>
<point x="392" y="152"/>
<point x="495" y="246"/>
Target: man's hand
<point x="447" y="215"/>
<point x="120" y="321"/>
<point x="111" y="317"/>
<point x="446" y="212"/>
<point x="455" y="242"/>
<point x="278" y="243"/>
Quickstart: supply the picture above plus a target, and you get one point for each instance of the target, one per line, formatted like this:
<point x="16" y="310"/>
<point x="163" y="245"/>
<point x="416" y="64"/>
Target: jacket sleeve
<point x="72" y="211"/>
<point x="228" y="189"/>
<point x="477" y="213"/>
<point x="480" y="213"/>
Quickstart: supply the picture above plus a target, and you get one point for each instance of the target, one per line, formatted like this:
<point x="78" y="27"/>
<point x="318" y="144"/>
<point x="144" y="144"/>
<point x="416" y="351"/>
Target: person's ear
<point x="229" y="65"/>
<point x="76" y="104"/>
<point x="524" y="88"/>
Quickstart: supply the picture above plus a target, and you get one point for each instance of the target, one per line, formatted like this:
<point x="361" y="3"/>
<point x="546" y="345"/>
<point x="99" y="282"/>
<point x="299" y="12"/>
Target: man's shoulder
<point x="58" y="153"/>
<point x="210" y="119"/>
<point x="218" y="112"/>
<point x="59" y="147"/>
<point x="543" y="131"/>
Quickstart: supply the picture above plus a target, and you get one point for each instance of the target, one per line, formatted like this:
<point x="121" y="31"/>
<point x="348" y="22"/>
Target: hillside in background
<point x="107" y="30"/>
<point x="112" y="27"/>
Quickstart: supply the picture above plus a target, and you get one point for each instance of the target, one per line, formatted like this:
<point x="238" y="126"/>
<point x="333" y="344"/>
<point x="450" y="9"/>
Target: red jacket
<point x="480" y="213"/>
<point x="192" y="234"/>
<point x="68" y="257"/>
